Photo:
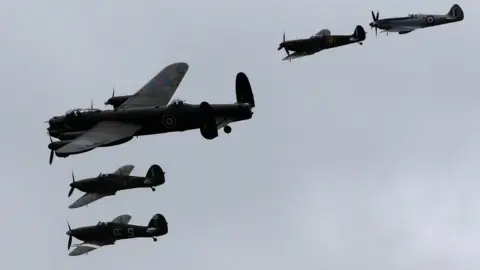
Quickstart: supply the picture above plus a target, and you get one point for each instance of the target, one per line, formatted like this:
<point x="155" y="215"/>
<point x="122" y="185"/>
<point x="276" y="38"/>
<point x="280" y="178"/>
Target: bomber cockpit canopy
<point x="323" y="33"/>
<point x="76" y="112"/>
<point x="413" y="15"/>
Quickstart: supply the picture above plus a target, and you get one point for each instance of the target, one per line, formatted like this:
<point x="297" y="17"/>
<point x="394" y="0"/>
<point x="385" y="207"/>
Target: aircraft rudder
<point x="243" y="89"/>
<point x="155" y="172"/>
<point x="359" y="32"/>
<point x="456" y="11"/>
<point x="158" y="221"/>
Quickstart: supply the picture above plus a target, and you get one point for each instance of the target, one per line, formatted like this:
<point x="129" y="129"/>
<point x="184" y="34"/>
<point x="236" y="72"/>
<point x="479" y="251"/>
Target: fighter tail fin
<point x="155" y="174"/>
<point x="158" y="221"/>
<point x="359" y="33"/>
<point x="456" y="12"/>
<point x="243" y="90"/>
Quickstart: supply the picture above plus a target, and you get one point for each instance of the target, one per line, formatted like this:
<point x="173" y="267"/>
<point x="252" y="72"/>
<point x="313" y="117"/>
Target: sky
<point x="361" y="157"/>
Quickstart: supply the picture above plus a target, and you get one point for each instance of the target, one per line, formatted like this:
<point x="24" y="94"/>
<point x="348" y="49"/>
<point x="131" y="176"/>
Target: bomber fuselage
<point x="175" y="117"/>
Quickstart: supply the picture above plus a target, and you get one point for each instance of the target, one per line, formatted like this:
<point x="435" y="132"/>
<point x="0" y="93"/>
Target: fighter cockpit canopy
<point x="81" y="111"/>
<point x="101" y="223"/>
<point x="323" y="33"/>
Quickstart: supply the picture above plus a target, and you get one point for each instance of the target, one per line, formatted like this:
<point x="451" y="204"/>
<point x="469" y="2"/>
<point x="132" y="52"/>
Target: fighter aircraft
<point x="108" y="184"/>
<point x="405" y="25"/>
<point x="107" y="233"/>
<point x="147" y="112"/>
<point x="320" y="41"/>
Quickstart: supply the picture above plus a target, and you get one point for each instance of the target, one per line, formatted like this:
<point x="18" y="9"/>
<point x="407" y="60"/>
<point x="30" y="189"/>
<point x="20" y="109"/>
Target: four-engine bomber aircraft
<point x="108" y="184"/>
<point x="321" y="41"/>
<point x="405" y="25"/>
<point x="147" y="112"/>
<point x="106" y="233"/>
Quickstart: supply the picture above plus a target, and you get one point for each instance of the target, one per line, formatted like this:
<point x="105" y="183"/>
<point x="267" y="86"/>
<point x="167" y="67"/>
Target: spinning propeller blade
<point x="375" y="18"/>
<point x="70" y="236"/>
<point x="51" y="153"/>
<point x="73" y="188"/>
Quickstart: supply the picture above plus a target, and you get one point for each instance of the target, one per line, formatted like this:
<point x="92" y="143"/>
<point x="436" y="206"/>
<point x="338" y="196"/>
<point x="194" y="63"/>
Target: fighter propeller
<point x="374" y="24"/>
<point x="72" y="185"/>
<point x="51" y="152"/>
<point x="70" y="236"/>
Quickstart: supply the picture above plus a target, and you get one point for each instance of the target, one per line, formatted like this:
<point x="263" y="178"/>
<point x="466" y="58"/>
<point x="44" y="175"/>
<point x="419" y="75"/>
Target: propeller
<point x="51" y="152"/>
<point x="113" y="91"/>
<point x="288" y="53"/>
<point x="91" y="104"/>
<point x="70" y="236"/>
<point x="73" y="188"/>
<point x="375" y="18"/>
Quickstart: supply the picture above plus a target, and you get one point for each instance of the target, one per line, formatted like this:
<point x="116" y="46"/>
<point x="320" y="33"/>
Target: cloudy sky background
<point x="362" y="157"/>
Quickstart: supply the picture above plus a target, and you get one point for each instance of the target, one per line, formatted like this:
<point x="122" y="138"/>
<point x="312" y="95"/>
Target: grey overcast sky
<point x="361" y="157"/>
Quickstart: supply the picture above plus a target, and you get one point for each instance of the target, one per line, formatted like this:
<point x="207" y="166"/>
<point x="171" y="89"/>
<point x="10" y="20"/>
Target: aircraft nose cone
<point x="69" y="233"/>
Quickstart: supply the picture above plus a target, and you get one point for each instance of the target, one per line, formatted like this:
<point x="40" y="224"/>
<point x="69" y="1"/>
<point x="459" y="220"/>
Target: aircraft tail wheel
<point x="430" y="20"/>
<point x="227" y="129"/>
<point x="169" y="121"/>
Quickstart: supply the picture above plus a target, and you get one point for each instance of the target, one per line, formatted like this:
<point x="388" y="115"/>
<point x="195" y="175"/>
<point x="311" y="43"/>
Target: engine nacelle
<point x="56" y="145"/>
<point x="208" y="125"/>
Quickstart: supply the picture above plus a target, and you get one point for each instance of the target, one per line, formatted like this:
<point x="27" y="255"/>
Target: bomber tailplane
<point x="243" y="90"/>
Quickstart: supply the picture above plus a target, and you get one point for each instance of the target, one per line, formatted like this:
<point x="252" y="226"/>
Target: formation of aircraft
<point x="402" y="25"/>
<point x="405" y="25"/>
<point x="107" y="233"/>
<point x="109" y="184"/>
<point x="320" y="41"/>
<point x="150" y="111"/>
<point x="147" y="112"/>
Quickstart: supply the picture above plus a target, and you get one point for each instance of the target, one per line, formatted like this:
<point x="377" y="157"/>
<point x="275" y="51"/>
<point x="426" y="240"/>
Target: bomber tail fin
<point x="155" y="175"/>
<point x="243" y="90"/>
<point x="359" y="33"/>
<point x="456" y="12"/>
<point x="158" y="222"/>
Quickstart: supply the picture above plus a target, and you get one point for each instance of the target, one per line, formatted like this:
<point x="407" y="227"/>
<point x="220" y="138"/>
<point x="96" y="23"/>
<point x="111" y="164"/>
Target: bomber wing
<point x="86" y="199"/>
<point x="85" y="248"/>
<point x="159" y="90"/>
<point x="122" y="219"/>
<point x="125" y="170"/>
<point x="103" y="133"/>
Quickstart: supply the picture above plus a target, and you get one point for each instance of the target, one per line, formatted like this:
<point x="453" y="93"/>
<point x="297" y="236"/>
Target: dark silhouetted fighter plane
<point x="108" y="184"/>
<point x="321" y="41"/>
<point x="147" y="112"/>
<point x="405" y="25"/>
<point x="107" y="233"/>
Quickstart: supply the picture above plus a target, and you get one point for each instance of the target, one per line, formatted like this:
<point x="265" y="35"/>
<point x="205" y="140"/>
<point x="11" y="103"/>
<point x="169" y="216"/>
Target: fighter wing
<point x="294" y="56"/>
<point x="103" y="133"/>
<point x="123" y="219"/>
<point x="85" y="248"/>
<point x="403" y="28"/>
<point x="86" y="199"/>
<point x="159" y="90"/>
<point x="125" y="170"/>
